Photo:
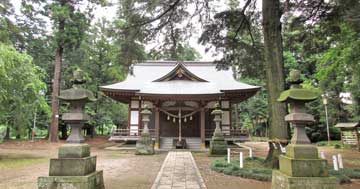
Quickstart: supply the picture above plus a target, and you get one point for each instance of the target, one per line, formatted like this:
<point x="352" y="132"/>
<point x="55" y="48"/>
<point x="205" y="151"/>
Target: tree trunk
<point x="56" y="88"/>
<point x="64" y="132"/>
<point x="274" y="75"/>
<point x="55" y="93"/>
<point x="29" y="133"/>
<point x="93" y="131"/>
<point x="18" y="134"/>
<point x="7" y="134"/>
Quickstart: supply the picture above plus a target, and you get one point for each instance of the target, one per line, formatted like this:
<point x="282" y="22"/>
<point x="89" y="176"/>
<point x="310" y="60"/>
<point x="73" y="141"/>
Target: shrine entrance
<point x="173" y="126"/>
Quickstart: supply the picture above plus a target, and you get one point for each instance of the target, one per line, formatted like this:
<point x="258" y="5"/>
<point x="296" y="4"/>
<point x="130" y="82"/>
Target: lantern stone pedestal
<point x="218" y="144"/>
<point x="301" y="166"/>
<point x="145" y="145"/>
<point x="74" y="167"/>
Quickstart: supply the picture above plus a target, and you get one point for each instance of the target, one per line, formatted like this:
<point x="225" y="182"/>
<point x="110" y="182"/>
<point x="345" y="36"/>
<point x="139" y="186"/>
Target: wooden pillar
<point x="202" y="127"/>
<point x="157" y="128"/>
<point x="129" y="117"/>
<point x="139" y="118"/>
<point x="230" y="114"/>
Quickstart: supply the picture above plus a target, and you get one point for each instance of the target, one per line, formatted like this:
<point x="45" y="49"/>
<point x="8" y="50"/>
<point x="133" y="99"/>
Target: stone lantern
<point x="77" y="97"/>
<point x="301" y="166"/>
<point x="218" y="144"/>
<point x="145" y="145"/>
<point x="74" y="167"/>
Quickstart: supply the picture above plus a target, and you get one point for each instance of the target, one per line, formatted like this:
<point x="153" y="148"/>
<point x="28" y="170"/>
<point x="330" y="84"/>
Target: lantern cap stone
<point x="294" y="77"/>
<point x="78" y="77"/>
<point x="77" y="92"/>
<point x="299" y="118"/>
<point x="217" y="110"/>
<point x="146" y="110"/>
<point x="296" y="92"/>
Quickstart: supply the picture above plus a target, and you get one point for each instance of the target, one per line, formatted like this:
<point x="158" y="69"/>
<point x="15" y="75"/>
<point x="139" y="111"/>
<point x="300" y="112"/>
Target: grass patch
<point x="345" y="175"/>
<point x="259" y="139"/>
<point x="254" y="169"/>
<point x="18" y="162"/>
<point x="334" y="143"/>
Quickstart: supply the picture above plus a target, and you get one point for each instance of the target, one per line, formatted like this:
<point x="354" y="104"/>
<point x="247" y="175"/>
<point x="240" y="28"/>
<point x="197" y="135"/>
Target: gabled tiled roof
<point x="152" y="77"/>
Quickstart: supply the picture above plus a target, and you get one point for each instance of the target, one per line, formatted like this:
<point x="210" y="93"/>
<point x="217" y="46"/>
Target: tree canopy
<point x="322" y="42"/>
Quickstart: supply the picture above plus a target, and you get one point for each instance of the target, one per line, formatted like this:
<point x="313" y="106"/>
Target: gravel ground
<point x="22" y="162"/>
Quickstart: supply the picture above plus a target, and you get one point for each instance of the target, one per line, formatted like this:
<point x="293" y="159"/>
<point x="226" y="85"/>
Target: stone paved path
<point x="179" y="171"/>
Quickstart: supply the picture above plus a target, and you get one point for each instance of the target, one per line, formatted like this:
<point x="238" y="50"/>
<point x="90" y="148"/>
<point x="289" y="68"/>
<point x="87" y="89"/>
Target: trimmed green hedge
<point x="254" y="169"/>
<point x="345" y="175"/>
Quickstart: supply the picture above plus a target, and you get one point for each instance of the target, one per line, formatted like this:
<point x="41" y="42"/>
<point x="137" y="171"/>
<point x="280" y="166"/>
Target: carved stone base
<point x="283" y="181"/>
<point x="74" y="168"/>
<point x="145" y="145"/>
<point x="91" y="181"/>
<point x="218" y="147"/>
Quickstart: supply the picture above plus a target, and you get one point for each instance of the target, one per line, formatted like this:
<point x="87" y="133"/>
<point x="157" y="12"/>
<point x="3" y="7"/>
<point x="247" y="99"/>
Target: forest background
<point x="319" y="38"/>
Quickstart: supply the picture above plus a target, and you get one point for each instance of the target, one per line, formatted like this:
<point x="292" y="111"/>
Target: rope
<point x="176" y="116"/>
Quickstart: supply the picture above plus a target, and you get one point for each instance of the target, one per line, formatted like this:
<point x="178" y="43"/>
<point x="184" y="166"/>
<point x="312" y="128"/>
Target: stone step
<point x="193" y="143"/>
<point x="166" y="143"/>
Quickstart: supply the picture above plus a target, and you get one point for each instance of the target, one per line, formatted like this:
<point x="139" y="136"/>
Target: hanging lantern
<point x="190" y="117"/>
<point x="185" y="120"/>
<point x="168" y="117"/>
<point x="174" y="120"/>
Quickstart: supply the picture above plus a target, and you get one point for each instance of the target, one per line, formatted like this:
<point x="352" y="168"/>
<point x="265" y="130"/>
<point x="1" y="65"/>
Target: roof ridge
<point x="174" y="63"/>
<point x="180" y="69"/>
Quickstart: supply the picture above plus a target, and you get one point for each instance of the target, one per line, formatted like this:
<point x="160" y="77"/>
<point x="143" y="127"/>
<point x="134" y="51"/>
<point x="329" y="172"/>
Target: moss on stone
<point x="145" y="145"/>
<point x="303" y="167"/>
<point x="298" y="94"/>
<point x="74" y="151"/>
<point x="72" y="166"/>
<point x="218" y="147"/>
<point x="283" y="181"/>
<point x="91" y="181"/>
<point x="73" y="94"/>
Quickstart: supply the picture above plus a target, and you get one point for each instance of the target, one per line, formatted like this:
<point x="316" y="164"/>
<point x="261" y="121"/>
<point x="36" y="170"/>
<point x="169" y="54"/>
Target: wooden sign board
<point x="349" y="137"/>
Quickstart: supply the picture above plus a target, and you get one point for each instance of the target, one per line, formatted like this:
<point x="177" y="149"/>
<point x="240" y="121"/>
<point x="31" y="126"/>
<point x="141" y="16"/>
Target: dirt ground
<point x="22" y="162"/>
<point x="121" y="169"/>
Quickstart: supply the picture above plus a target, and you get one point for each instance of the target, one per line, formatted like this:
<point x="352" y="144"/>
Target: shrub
<point x="254" y="169"/>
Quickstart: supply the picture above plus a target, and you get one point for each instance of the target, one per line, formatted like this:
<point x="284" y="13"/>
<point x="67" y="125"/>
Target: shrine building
<point x="181" y="96"/>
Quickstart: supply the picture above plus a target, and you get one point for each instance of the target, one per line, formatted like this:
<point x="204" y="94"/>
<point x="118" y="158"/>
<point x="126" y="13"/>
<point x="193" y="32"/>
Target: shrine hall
<point x="181" y="96"/>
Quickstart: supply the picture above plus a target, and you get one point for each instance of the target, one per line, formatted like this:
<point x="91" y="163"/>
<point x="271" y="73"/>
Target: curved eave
<point x="238" y="95"/>
<point x="119" y="94"/>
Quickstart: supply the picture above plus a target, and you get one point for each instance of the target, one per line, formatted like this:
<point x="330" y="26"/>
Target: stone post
<point x="145" y="145"/>
<point x="218" y="144"/>
<point x="74" y="167"/>
<point x="301" y="167"/>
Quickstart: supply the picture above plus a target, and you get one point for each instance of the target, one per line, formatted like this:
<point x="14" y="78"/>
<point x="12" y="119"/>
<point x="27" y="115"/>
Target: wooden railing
<point x="228" y="133"/>
<point x="130" y="132"/>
